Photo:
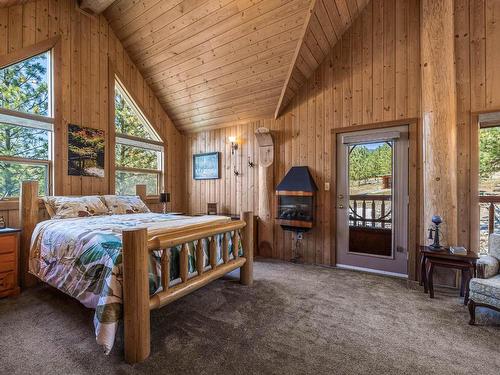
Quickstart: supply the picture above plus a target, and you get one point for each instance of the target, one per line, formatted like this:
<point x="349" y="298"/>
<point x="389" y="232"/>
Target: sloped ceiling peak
<point x="323" y="28"/>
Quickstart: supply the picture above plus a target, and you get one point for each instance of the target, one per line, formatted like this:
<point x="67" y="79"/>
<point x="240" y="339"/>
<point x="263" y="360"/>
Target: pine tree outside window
<point x="138" y="150"/>
<point x="26" y="124"/>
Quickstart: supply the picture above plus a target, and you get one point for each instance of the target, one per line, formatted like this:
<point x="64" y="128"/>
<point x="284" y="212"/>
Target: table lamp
<point x="164" y="198"/>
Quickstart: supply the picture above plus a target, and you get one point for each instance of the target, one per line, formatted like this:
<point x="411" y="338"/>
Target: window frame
<point x="157" y="145"/>
<point x="34" y="121"/>
<point x="479" y="120"/>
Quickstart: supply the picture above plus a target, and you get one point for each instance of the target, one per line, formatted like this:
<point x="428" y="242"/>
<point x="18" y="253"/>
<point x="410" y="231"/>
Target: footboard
<point x="136" y="249"/>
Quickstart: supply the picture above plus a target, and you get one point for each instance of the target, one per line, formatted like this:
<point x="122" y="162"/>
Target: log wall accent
<point x="371" y="75"/>
<point x="86" y="44"/>
<point x="439" y="115"/>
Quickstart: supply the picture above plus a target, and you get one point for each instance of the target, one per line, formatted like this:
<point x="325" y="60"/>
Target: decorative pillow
<point x="125" y="204"/>
<point x="68" y="207"/>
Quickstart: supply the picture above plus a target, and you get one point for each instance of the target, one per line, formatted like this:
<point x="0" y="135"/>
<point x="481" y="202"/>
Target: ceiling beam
<point x="95" y="6"/>
<point x="324" y="26"/>
<point x="305" y="28"/>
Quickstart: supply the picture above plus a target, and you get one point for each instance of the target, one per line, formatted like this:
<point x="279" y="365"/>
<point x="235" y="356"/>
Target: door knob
<point x="341" y="206"/>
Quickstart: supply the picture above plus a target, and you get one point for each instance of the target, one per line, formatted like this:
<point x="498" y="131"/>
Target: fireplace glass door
<point x="372" y="184"/>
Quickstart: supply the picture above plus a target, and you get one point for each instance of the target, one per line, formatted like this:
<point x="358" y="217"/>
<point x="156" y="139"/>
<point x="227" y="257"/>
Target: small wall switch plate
<point x="327" y="186"/>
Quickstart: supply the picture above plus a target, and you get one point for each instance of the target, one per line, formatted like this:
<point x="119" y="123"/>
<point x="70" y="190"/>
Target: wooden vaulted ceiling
<point x="215" y="63"/>
<point x="211" y="62"/>
<point x="222" y="62"/>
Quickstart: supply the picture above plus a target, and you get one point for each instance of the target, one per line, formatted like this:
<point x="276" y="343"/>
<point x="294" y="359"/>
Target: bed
<point x="124" y="266"/>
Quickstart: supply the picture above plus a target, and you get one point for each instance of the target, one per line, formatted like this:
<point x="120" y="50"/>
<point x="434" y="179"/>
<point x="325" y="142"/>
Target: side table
<point x="430" y="258"/>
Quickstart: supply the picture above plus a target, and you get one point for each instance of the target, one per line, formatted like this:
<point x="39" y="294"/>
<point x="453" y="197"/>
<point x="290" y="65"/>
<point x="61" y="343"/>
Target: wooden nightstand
<point x="9" y="262"/>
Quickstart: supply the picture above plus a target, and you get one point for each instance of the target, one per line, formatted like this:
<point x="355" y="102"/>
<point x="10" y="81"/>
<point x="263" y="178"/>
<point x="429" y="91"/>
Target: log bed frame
<point x="137" y="303"/>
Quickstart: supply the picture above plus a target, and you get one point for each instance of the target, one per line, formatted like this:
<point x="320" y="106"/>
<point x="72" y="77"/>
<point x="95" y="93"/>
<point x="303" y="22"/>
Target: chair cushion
<point x="488" y="287"/>
<point x="485" y="300"/>
<point x="494" y="245"/>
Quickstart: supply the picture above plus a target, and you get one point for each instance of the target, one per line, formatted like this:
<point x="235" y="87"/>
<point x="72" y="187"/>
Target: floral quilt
<point x="82" y="257"/>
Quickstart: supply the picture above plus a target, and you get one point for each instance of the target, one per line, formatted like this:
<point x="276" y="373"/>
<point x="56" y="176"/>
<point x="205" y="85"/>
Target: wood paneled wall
<point x="477" y="56"/>
<point x="371" y="75"/>
<point x="86" y="44"/>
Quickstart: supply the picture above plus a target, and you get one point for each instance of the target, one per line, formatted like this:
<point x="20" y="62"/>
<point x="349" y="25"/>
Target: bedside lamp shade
<point x="164" y="197"/>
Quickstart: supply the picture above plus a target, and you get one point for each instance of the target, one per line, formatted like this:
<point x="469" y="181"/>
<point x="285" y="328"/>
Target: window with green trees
<point x="489" y="183"/>
<point x="489" y="160"/>
<point x="138" y="150"/>
<point x="26" y="124"/>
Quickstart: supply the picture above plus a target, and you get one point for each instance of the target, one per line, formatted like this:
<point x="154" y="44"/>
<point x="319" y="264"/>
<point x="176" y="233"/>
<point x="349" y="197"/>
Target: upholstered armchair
<point x="485" y="289"/>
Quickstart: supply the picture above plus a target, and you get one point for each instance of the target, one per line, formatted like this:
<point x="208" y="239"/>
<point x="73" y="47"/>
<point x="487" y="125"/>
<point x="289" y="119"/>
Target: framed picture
<point x="85" y="151"/>
<point x="206" y="166"/>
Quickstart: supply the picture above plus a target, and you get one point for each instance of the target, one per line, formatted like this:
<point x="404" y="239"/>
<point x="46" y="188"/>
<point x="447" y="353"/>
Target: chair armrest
<point x="487" y="267"/>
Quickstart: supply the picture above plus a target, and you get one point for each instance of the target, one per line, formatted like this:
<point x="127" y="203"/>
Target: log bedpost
<point x="246" y="271"/>
<point x="136" y="295"/>
<point x="28" y="211"/>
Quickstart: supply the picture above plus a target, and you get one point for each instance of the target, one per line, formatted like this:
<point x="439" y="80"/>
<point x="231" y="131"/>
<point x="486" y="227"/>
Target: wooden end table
<point x="430" y="258"/>
<point x="9" y="262"/>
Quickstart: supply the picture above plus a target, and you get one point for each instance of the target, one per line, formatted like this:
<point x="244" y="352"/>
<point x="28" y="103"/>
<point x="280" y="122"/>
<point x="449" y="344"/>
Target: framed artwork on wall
<point x="206" y="166"/>
<point x="85" y="151"/>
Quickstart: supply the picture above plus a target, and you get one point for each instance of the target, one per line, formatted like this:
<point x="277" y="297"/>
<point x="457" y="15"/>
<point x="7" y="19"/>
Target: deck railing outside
<point x="370" y="210"/>
<point x="489" y="219"/>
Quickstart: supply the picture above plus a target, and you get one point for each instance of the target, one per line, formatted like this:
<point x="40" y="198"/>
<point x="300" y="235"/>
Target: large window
<point x="139" y="149"/>
<point x="26" y="124"/>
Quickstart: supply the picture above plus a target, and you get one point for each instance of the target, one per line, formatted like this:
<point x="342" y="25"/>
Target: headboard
<point x="31" y="212"/>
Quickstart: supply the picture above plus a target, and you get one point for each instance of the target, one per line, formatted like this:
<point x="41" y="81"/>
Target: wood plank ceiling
<point x="324" y="26"/>
<point x="215" y="63"/>
<point x="211" y="62"/>
<point x="225" y="62"/>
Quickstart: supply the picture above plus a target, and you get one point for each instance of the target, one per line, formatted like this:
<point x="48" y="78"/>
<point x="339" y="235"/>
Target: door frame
<point x="414" y="186"/>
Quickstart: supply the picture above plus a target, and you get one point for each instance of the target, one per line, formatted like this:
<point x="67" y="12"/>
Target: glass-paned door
<point x="372" y="199"/>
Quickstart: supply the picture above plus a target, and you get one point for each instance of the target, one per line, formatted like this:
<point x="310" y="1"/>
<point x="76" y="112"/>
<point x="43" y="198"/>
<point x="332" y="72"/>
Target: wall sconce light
<point x="234" y="144"/>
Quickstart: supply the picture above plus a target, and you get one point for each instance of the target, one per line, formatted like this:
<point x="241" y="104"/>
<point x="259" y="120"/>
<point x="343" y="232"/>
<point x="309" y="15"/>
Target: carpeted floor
<point x="295" y="320"/>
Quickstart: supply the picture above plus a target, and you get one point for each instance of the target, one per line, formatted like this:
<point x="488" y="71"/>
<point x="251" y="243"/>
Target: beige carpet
<point x="295" y="320"/>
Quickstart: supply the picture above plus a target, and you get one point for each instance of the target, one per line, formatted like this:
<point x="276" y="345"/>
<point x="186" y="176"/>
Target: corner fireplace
<point x="295" y="200"/>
